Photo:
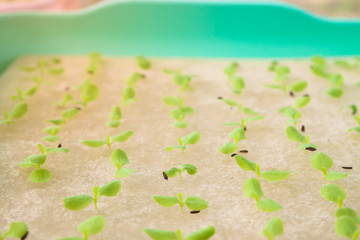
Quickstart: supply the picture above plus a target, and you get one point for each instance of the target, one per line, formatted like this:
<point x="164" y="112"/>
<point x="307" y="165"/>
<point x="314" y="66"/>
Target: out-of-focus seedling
<point x="195" y="204"/>
<point x="17" y="230"/>
<point x="201" y="234"/>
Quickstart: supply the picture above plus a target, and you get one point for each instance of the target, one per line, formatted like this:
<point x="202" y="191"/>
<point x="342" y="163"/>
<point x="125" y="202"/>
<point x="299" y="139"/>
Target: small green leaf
<point x="70" y="113"/>
<point x="274" y="227"/>
<point x="93" y="143"/>
<point x="25" y="164"/>
<point x="52" y="130"/>
<point x="16" y="230"/>
<point x="228" y="148"/>
<point x="156" y="234"/>
<point x="36" y="158"/>
<point x="189" y="168"/>
<point x="177" y="114"/>
<point x="274" y="86"/>
<point x="294" y="135"/>
<point x="335" y="92"/>
<point x="352" y="107"/>
<point x="40" y="175"/>
<point x="56" y="71"/>
<point x="77" y="202"/>
<point x="143" y="62"/>
<point x="268" y="205"/>
<point x="345" y="226"/>
<point x="298" y="86"/>
<point x="231" y="69"/>
<point x="332" y="176"/>
<point x="70" y="238"/>
<point x="290" y="112"/>
<point x="252" y="119"/>
<point x="92" y="226"/>
<point x="134" y="78"/>
<point x="128" y="95"/>
<point x="175" y="147"/>
<point x="319" y="61"/>
<point x="356" y="129"/>
<point x="113" y="123"/>
<point x="186" y="111"/>
<point x="180" y="124"/>
<point x="67" y="98"/>
<point x="321" y="162"/>
<point x="273" y="66"/>
<point x="56" y="150"/>
<point x="166" y="201"/>
<point x="56" y="121"/>
<point x="90" y="93"/>
<point x="119" y="158"/>
<point x="123" y="172"/>
<point x="110" y="189"/>
<point x="173" y="101"/>
<point x="237" y="134"/>
<point x="115" y="113"/>
<point x="333" y="193"/>
<point x="275" y="175"/>
<point x="245" y="164"/>
<point x="201" y="234"/>
<point x="31" y="91"/>
<point x="302" y="102"/>
<point x="229" y="102"/>
<point x="252" y="189"/>
<point x="249" y="111"/>
<point x="320" y="72"/>
<point x="346" y="211"/>
<point x="336" y="79"/>
<point x="344" y="64"/>
<point x="28" y="69"/>
<point x="19" y="110"/>
<point x="122" y="137"/>
<point x="172" y="172"/>
<point x="282" y="70"/>
<point x="232" y="124"/>
<point x="196" y="203"/>
<point x="192" y="138"/>
<point x="51" y="138"/>
<point x="238" y="84"/>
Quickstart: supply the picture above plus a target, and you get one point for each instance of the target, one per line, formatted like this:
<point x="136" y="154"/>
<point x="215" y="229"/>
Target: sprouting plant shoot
<point x="357" y="128"/>
<point x="252" y="189"/>
<point x="91" y="226"/>
<point x="346" y="223"/>
<point x="274" y="227"/>
<point x="323" y="162"/>
<point x="89" y="92"/>
<point x="128" y="96"/>
<point x="66" y="99"/>
<point x="346" y="64"/>
<point x="352" y="107"/>
<point x="109" y="140"/>
<point x="40" y="175"/>
<point x="23" y="95"/>
<point x="44" y="68"/>
<point x="52" y="136"/>
<point x="192" y="139"/>
<point x="66" y="115"/>
<point x="115" y="117"/>
<point x="134" y="78"/>
<point x="180" y="79"/>
<point x="231" y="69"/>
<point x="295" y="136"/>
<point x="195" y="204"/>
<point x="201" y="234"/>
<point x="18" y="111"/>
<point x="94" y="63"/>
<point x="119" y="159"/>
<point x="237" y="84"/>
<point x="333" y="193"/>
<point x="16" y="230"/>
<point x="180" y="112"/>
<point x="173" y="172"/>
<point x="282" y="78"/>
<point x="236" y="135"/>
<point x="143" y="62"/>
<point x="80" y="202"/>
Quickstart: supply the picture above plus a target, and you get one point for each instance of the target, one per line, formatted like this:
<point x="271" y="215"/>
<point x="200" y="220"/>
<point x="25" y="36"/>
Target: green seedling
<point x="16" y="230"/>
<point x="192" y="139"/>
<point x="89" y="92"/>
<point x="252" y="189"/>
<point x="201" y="234"/>
<point x="357" y="128"/>
<point x="45" y="67"/>
<point x="115" y="117"/>
<point x="248" y="165"/>
<point x="173" y="172"/>
<point x="333" y="193"/>
<point x="109" y="140"/>
<point x="143" y="62"/>
<point x="194" y="203"/>
<point x="94" y="63"/>
<point x="66" y="115"/>
<point x="346" y="64"/>
<point x="180" y="79"/>
<point x="91" y="226"/>
<point x="128" y="96"/>
<point x="244" y="121"/>
<point x="52" y="137"/>
<point x="345" y="226"/>
<point x="80" y="202"/>
<point x="23" y="95"/>
<point x="134" y="78"/>
<point x="231" y="70"/>
<point x="352" y="107"/>
<point x="295" y="136"/>
<point x="274" y="227"/>
<point x="18" y="111"/>
<point x="346" y="211"/>
<point x="237" y="84"/>
<point x="66" y="99"/>
<point x="281" y="77"/>
<point x="319" y="66"/>
<point x="323" y="162"/>
<point x="119" y="159"/>
<point x="180" y="112"/>
<point x="40" y="175"/>
<point x="236" y="135"/>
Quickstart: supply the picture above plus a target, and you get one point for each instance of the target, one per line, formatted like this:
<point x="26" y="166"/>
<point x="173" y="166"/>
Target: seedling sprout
<point x="180" y="112"/>
<point x="16" y="230"/>
<point x="192" y="139"/>
<point x="109" y="140"/>
<point x="115" y="117"/>
<point x="192" y="202"/>
<point x="173" y="172"/>
<point x="274" y="227"/>
<point x="18" y="112"/>
<point x="119" y="159"/>
<point x="201" y="234"/>
<point x="143" y="62"/>
<point x="323" y="162"/>
<point x="180" y="79"/>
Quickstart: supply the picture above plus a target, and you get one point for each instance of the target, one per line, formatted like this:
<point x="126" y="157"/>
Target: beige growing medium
<point x="306" y="215"/>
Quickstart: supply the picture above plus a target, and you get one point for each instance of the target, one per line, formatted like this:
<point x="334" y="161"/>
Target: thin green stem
<point x="95" y="203"/>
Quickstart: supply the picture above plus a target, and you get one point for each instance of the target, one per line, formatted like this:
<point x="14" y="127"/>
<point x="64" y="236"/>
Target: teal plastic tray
<point x="179" y="29"/>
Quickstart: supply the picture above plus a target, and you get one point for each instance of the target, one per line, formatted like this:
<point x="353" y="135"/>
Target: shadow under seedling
<point x="192" y="202"/>
<point x="173" y="172"/>
<point x="17" y="230"/>
<point x="80" y="202"/>
<point x="119" y="159"/>
<point x="201" y="234"/>
<point x="192" y="139"/>
<point x="89" y="227"/>
<point x="109" y="140"/>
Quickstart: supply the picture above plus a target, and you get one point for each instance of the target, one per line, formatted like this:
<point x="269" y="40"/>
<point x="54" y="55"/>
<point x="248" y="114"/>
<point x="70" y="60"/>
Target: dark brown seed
<point x="220" y="98"/>
<point x="243" y="151"/>
<point x="165" y="176"/>
<point x="233" y="155"/>
<point x="311" y="149"/>
<point x="59" y="146"/>
<point x="244" y="128"/>
<point x="303" y="128"/>
<point x="291" y="93"/>
<point x="347" y="167"/>
<point x="194" y="212"/>
<point x="78" y="108"/>
<point x="25" y="236"/>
